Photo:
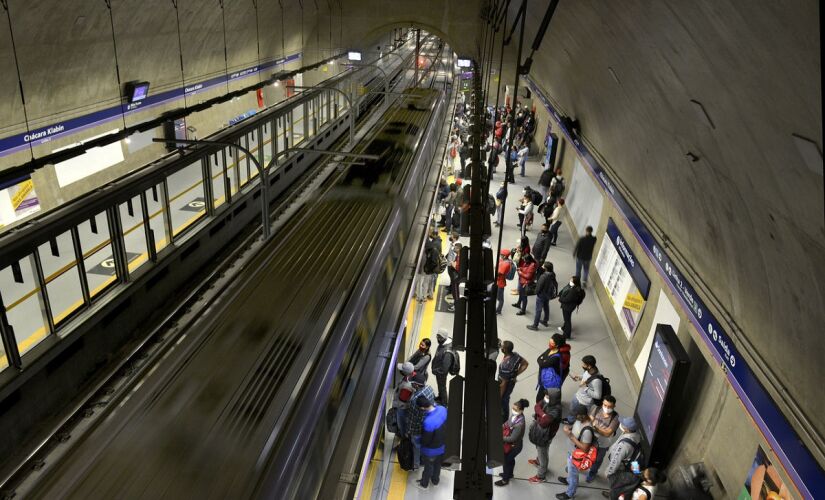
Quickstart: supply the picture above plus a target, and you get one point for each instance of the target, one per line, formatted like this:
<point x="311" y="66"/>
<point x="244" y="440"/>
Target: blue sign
<point x="796" y="459"/>
<point x="240" y="118"/>
<point x="630" y="262"/>
<point x="19" y="142"/>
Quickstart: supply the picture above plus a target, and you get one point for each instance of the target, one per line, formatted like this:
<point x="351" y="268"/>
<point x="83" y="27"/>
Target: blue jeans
<point x="554" y="232"/>
<point x="522" y="164"/>
<point x="522" y="297"/>
<point x="500" y="298"/>
<point x="432" y="469"/>
<point x="416" y="442"/>
<point x="574" y="404"/>
<point x="582" y="265"/>
<point x="572" y="478"/>
<point x="505" y="399"/>
<point x="542" y="306"/>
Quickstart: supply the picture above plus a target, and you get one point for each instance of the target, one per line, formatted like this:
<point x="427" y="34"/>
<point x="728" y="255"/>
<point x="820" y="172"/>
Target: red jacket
<point x="564" y="351"/>
<point x="503" y="269"/>
<point x="526" y="272"/>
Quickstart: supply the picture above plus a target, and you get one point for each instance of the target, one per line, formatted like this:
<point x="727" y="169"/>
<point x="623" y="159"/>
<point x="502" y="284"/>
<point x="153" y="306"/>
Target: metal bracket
<point x="348" y="477"/>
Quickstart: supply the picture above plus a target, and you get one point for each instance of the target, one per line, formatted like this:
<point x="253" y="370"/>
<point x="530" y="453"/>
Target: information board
<point x="624" y="281"/>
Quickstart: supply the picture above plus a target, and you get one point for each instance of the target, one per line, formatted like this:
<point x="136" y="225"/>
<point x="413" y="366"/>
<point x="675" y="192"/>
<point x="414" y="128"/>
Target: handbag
<point x="581" y="459"/>
<point x="508" y="447"/>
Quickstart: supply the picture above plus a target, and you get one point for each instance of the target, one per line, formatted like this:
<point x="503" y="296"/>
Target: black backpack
<point x="491" y="204"/>
<point x="537" y="197"/>
<point x="455" y="365"/>
<point x="635" y="456"/>
<point x="626" y="483"/>
<point x="606" y="389"/>
<point x="582" y="295"/>
<point x="558" y="188"/>
<point x="431" y="261"/>
<point x="392" y="420"/>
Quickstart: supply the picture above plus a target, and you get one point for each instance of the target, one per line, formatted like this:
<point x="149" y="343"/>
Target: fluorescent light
<point x="464" y="63"/>
<point x="276" y="83"/>
<point x="354" y="55"/>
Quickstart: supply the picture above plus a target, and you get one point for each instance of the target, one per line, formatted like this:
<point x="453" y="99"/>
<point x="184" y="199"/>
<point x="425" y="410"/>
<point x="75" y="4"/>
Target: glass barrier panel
<point x="157" y="217"/>
<point x="312" y="114"/>
<point x="186" y="198"/>
<point x="324" y="107"/>
<point x="217" y="178"/>
<point x="269" y="144"/>
<point x="98" y="256"/>
<point x="60" y="271"/>
<point x="134" y="233"/>
<point x="24" y="304"/>
<point x="282" y="132"/>
<point x="297" y="116"/>
<point x="229" y="155"/>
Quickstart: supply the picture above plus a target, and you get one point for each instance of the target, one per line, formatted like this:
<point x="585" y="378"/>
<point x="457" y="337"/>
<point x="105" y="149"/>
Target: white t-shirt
<point x="639" y="494"/>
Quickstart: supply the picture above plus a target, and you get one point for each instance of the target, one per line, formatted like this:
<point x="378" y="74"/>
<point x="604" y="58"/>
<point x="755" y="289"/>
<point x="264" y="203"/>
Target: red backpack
<point x="581" y="459"/>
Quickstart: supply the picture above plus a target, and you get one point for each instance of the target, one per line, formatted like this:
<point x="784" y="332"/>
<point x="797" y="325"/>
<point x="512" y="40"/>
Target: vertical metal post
<point x="151" y="249"/>
<point x="306" y="118"/>
<point x="43" y="296"/>
<point x="167" y="215"/>
<point x="8" y="339"/>
<point x="208" y="192"/>
<point x="81" y="265"/>
<point x="118" y="243"/>
<point x="417" y="54"/>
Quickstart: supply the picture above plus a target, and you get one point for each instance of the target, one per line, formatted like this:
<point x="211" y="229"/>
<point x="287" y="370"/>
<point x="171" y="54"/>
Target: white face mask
<point x="546" y="399"/>
<point x="607" y="410"/>
<point x="571" y="282"/>
<point x="514" y="412"/>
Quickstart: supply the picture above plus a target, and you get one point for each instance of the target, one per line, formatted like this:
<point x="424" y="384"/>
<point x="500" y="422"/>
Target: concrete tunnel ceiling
<point x="748" y="216"/>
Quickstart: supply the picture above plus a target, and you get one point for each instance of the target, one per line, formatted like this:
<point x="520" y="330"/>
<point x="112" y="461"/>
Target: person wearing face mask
<point x="591" y="385"/>
<point x="513" y="437"/>
<point x="545" y="424"/>
<point x="570" y="298"/>
<point x="605" y="421"/>
<point x="582" y="436"/>
<point x="542" y="244"/>
<point x="512" y="365"/>
<point x="550" y="369"/>
<point x="626" y="449"/>
<point x="444" y="360"/>
<point x="546" y="290"/>
<point x="526" y="273"/>
<point x="421" y="360"/>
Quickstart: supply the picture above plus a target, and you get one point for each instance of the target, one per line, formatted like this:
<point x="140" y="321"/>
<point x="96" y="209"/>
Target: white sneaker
<point x="559" y="329"/>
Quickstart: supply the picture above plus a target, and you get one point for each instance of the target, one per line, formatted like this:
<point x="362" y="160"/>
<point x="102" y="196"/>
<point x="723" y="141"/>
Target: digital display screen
<point x="654" y="386"/>
<point x="464" y="63"/>
<point x="138" y="91"/>
<point x="354" y="56"/>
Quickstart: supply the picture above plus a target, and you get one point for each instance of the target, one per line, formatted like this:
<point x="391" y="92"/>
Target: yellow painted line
<point x="398" y="483"/>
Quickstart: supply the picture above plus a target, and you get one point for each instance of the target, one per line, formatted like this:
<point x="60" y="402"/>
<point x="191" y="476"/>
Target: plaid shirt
<point x="415" y="415"/>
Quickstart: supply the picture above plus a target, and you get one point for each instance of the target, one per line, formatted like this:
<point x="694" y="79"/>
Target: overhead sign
<point x="797" y="460"/>
<point x="142" y="101"/>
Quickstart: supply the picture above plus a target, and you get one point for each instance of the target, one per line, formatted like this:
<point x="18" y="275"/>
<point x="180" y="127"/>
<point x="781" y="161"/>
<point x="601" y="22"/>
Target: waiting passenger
<point x="445" y="362"/>
<point x="501" y="196"/>
<point x="546" y="421"/>
<point x="551" y="374"/>
<point x="546" y="289"/>
<point x="545" y="179"/>
<point x="415" y="419"/>
<point x="591" y="385"/>
<point x="526" y="272"/>
<point x="522" y="157"/>
<point x="525" y="214"/>
<point x="453" y="267"/>
<point x="626" y="449"/>
<point x="554" y="222"/>
<point x="583" y="252"/>
<point x="542" y="244"/>
<point x="570" y="298"/>
<point x="641" y="487"/>
<point x="605" y="421"/>
<point x="403" y="396"/>
<point x="512" y="365"/>
<point x="432" y="441"/>
<point x="582" y="436"/>
<point x="513" y="437"/>
<point x="421" y="361"/>
<point x="506" y="270"/>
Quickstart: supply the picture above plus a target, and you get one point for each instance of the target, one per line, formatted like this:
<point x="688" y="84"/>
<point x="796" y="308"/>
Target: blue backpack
<point x="549" y="377"/>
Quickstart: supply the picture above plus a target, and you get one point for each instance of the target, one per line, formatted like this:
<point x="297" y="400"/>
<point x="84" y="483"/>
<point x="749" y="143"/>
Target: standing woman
<point x="513" y="431"/>
<point x="555" y="221"/>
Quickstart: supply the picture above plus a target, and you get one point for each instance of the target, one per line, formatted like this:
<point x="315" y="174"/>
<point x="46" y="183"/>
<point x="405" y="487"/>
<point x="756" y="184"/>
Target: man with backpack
<point x="582" y="435"/>
<point x="593" y="386"/>
<point x="542" y="244"/>
<point x="431" y="441"/>
<point x="546" y="421"/>
<point x="546" y="289"/>
<point x="433" y="265"/>
<point x="506" y="271"/>
<point x="415" y="419"/>
<point x="630" y="486"/>
<point x="545" y="179"/>
<point x="550" y="366"/>
<point x="512" y="365"/>
<point x="570" y="298"/>
<point x="605" y="421"/>
<point x="626" y="449"/>
<point x="445" y="362"/>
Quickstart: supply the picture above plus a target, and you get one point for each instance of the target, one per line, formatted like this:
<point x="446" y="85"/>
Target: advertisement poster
<point x="654" y="387"/>
<point x="17" y="201"/>
<point x="763" y="481"/>
<point x="625" y="282"/>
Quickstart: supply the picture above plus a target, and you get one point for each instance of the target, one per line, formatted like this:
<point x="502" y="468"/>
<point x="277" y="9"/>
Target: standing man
<point x="583" y="252"/>
<point x="605" y="421"/>
<point x="542" y="244"/>
<point x="591" y="385"/>
<point x="415" y="419"/>
<point x="453" y="264"/>
<point x="546" y="421"/>
<point x="522" y="157"/>
<point x="626" y="449"/>
<point x="443" y="361"/>
<point x="505" y="270"/>
<point x="581" y="434"/>
<point x="432" y="441"/>
<point x="570" y="297"/>
<point x="546" y="289"/>
<point x="501" y="195"/>
<point x="512" y="365"/>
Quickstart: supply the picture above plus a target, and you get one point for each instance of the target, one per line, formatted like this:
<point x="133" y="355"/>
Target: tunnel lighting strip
<point x="780" y="434"/>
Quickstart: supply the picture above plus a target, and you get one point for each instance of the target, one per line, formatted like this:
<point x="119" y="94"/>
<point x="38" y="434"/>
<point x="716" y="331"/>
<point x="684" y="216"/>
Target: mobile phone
<point x="634" y="467"/>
